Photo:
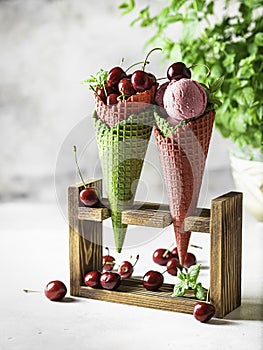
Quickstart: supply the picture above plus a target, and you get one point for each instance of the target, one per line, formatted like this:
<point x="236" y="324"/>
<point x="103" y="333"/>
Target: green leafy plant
<point x="188" y="281"/>
<point x="230" y="44"/>
<point x="97" y="80"/>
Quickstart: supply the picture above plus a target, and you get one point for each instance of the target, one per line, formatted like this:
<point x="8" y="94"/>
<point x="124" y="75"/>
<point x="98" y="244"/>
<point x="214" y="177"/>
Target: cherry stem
<point x="203" y="65"/>
<point x="76" y="161"/>
<point x="31" y="291"/>
<point x="135" y="64"/>
<point x="146" y="58"/>
<point x="95" y="92"/>
<point x="208" y="295"/>
<point x="137" y="258"/>
<point x="108" y="250"/>
<point x="196" y="246"/>
<point x="122" y="60"/>
<point x="167" y="251"/>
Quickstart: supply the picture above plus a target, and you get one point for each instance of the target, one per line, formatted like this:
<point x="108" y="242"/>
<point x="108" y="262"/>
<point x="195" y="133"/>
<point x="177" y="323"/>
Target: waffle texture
<point x="122" y="150"/>
<point x="135" y="104"/>
<point x="183" y="155"/>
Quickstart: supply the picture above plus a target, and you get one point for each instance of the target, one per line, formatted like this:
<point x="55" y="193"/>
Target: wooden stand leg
<point x="226" y="252"/>
<point x="85" y="240"/>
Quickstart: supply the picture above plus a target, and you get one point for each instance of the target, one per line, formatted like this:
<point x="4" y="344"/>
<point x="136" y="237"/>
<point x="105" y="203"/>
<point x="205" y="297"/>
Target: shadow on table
<point x="247" y="311"/>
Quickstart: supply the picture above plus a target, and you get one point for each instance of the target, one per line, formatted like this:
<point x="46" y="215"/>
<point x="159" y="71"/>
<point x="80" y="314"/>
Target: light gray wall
<point x="47" y="49"/>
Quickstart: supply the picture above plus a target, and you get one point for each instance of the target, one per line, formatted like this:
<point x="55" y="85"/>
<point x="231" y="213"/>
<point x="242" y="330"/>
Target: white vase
<point x="248" y="178"/>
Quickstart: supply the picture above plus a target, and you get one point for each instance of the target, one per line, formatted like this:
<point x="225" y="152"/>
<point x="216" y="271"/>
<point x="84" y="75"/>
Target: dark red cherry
<point x="92" y="279"/>
<point x="174" y="252"/>
<point x="112" y="99"/>
<point x="115" y="75"/>
<point x="89" y="196"/>
<point x="161" y="256"/>
<point x="190" y="260"/>
<point x="177" y="71"/>
<point x="141" y="81"/>
<point x="172" y="266"/>
<point x="55" y="290"/>
<point x="104" y="92"/>
<point x="125" y="87"/>
<point x="125" y="269"/>
<point x="152" y="280"/>
<point x="108" y="261"/>
<point x="153" y="77"/>
<point x="110" y="280"/>
<point x="159" y="94"/>
<point x="203" y="311"/>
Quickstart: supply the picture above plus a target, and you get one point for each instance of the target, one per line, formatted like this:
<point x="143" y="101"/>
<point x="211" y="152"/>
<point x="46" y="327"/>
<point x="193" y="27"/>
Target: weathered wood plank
<point x="199" y="221"/>
<point x="93" y="214"/>
<point x="85" y="239"/>
<point x="150" y="218"/>
<point x="226" y="252"/>
<point x="74" y="253"/>
<point x="131" y="292"/>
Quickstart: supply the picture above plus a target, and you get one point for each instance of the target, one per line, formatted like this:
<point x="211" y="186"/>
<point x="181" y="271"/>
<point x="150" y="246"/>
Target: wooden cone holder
<point x="223" y="222"/>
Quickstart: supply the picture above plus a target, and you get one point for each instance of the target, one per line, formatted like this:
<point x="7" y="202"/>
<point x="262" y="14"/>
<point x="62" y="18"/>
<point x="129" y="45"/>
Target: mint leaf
<point x="179" y="289"/>
<point x="199" y="292"/>
<point x="216" y="85"/>
<point x="181" y="275"/>
<point x="193" y="274"/>
<point x="96" y="81"/>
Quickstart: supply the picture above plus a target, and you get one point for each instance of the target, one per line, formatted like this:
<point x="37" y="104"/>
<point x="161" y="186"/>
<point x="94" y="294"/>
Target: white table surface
<point x="34" y="251"/>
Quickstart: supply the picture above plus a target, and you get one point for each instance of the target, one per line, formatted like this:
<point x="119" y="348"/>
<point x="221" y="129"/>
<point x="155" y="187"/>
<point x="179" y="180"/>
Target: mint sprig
<point x="96" y="81"/>
<point x="188" y="280"/>
<point x="210" y="91"/>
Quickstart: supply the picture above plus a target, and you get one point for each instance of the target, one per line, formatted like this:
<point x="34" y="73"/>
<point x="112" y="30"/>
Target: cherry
<point x="141" y="81"/>
<point x="161" y="256"/>
<point x="159" y="94"/>
<point x="110" y="280"/>
<point x="115" y="75"/>
<point x="108" y="261"/>
<point x="172" y="266"/>
<point x="153" y="77"/>
<point x="177" y="71"/>
<point x="112" y="99"/>
<point x="88" y="196"/>
<point x="104" y="92"/>
<point x="125" y="87"/>
<point x="152" y="280"/>
<point x="174" y="252"/>
<point x="126" y="268"/>
<point x="55" y="290"/>
<point x="203" y="311"/>
<point x="190" y="260"/>
<point x="92" y="279"/>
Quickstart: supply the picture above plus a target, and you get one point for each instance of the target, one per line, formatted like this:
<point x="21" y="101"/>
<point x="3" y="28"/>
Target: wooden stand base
<point x="223" y="222"/>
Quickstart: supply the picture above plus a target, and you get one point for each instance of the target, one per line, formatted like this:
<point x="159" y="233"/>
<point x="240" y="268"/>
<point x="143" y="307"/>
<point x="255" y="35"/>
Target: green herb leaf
<point x="179" y="289"/>
<point x="181" y="275"/>
<point x="193" y="274"/>
<point x="96" y="81"/>
<point x="127" y="7"/>
<point x="216" y="85"/>
<point x="199" y="292"/>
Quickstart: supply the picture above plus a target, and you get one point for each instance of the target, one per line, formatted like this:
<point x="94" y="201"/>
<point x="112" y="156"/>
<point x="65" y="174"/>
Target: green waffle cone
<point x="122" y="150"/>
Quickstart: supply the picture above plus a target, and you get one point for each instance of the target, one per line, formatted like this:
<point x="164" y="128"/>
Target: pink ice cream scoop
<point x="184" y="99"/>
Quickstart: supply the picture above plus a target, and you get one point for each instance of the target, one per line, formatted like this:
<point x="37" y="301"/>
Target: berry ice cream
<point x="184" y="99"/>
